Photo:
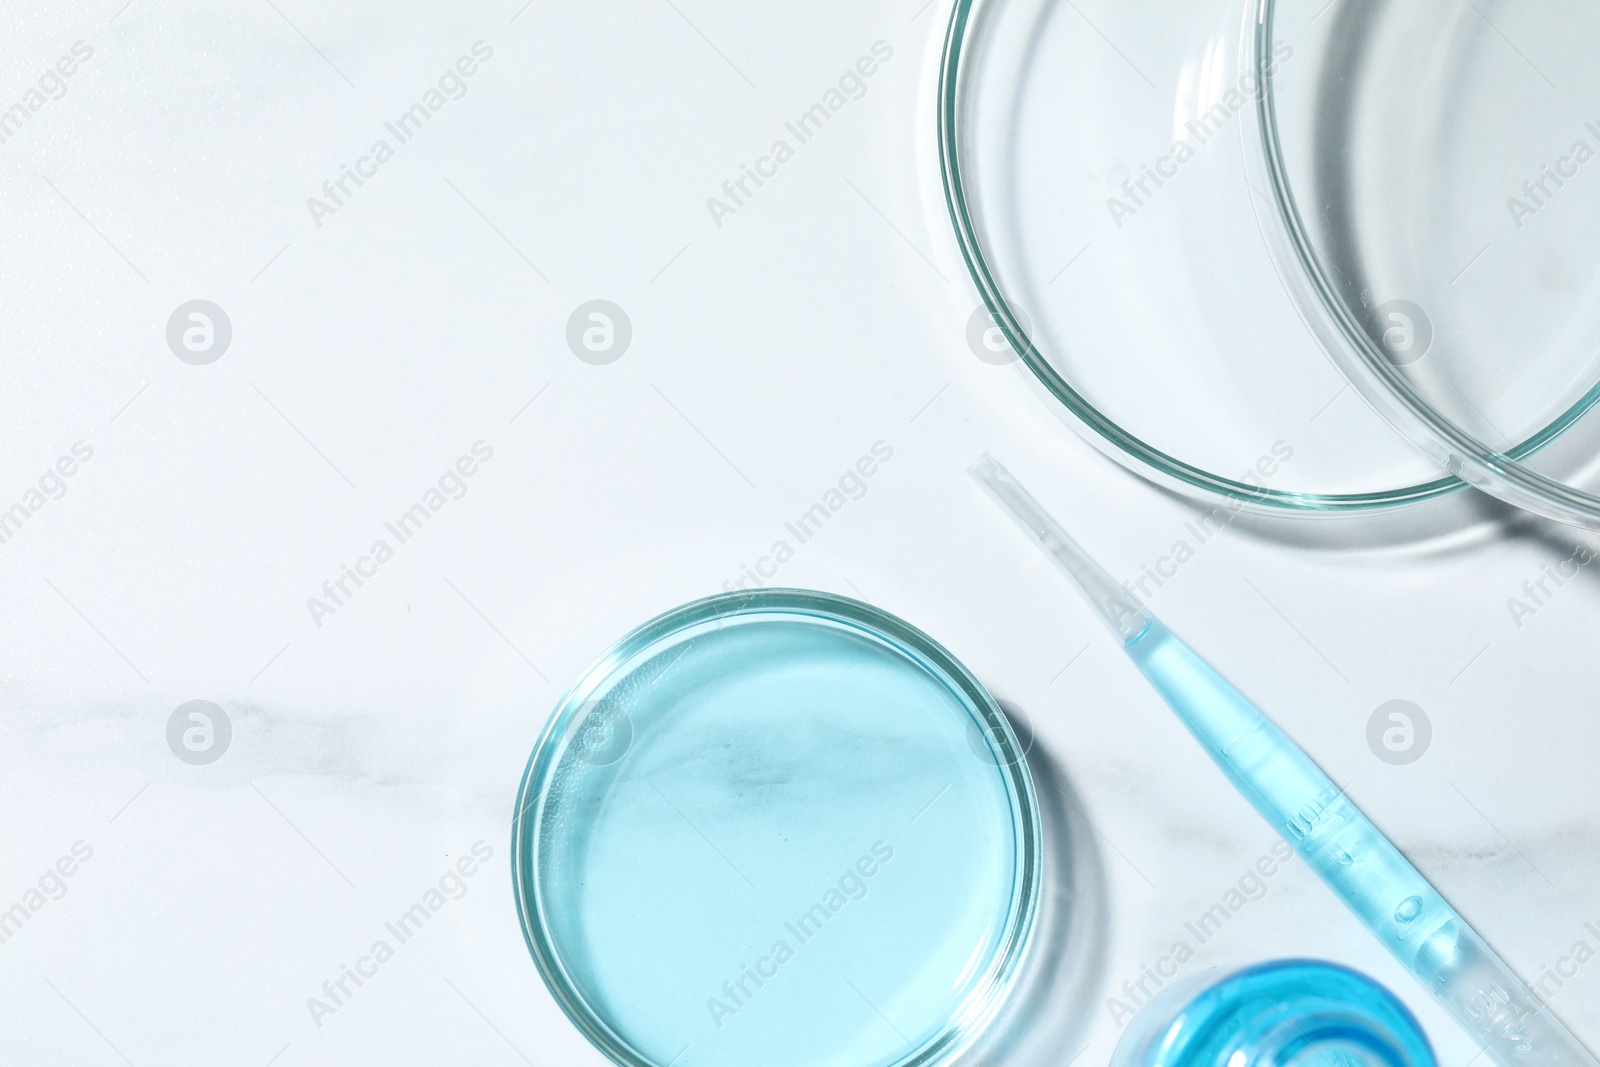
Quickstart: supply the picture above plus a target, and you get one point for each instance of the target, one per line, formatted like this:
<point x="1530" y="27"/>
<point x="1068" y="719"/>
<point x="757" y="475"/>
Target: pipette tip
<point x="1116" y="606"/>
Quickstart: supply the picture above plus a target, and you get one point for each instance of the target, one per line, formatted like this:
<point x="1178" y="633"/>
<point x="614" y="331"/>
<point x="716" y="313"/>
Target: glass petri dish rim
<point x="1105" y="433"/>
<point x="1364" y="365"/>
<point x="986" y="995"/>
<point x="1325" y="998"/>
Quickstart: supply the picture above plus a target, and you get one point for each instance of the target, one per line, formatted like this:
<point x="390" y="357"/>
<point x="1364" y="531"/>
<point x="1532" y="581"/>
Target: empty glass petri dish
<point x="1435" y="178"/>
<point x="778" y="827"/>
<point x="1198" y="225"/>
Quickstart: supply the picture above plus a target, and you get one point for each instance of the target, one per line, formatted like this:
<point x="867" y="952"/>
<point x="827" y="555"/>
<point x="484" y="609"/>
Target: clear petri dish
<point x="1197" y="225"/>
<point x="1435" y="175"/>
<point x="778" y="827"/>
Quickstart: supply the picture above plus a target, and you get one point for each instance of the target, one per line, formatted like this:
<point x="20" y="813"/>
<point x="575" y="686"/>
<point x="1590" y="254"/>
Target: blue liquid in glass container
<point x="782" y="829"/>
<point x="1286" y="1013"/>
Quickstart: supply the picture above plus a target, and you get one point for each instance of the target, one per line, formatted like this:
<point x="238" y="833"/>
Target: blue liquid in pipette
<point x="1353" y="857"/>
<point x="1292" y="792"/>
<point x="1338" y="842"/>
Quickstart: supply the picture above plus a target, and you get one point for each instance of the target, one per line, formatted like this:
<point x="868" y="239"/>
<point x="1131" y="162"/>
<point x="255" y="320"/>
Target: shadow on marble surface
<point x="1050" y="1012"/>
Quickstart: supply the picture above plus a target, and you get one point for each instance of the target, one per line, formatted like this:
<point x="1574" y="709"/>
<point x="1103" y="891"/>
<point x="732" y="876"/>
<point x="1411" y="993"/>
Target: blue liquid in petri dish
<point x="777" y="829"/>
<point x="1286" y="1013"/>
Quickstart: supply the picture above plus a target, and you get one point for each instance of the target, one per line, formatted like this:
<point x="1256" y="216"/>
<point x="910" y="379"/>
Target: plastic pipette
<point x="1338" y="842"/>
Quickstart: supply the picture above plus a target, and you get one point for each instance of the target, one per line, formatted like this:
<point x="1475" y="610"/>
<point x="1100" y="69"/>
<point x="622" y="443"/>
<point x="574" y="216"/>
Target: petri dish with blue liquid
<point x="779" y="827"/>
<point x="1285" y="1013"/>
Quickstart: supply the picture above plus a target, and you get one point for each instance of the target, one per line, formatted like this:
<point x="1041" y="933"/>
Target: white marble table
<point x="385" y="332"/>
